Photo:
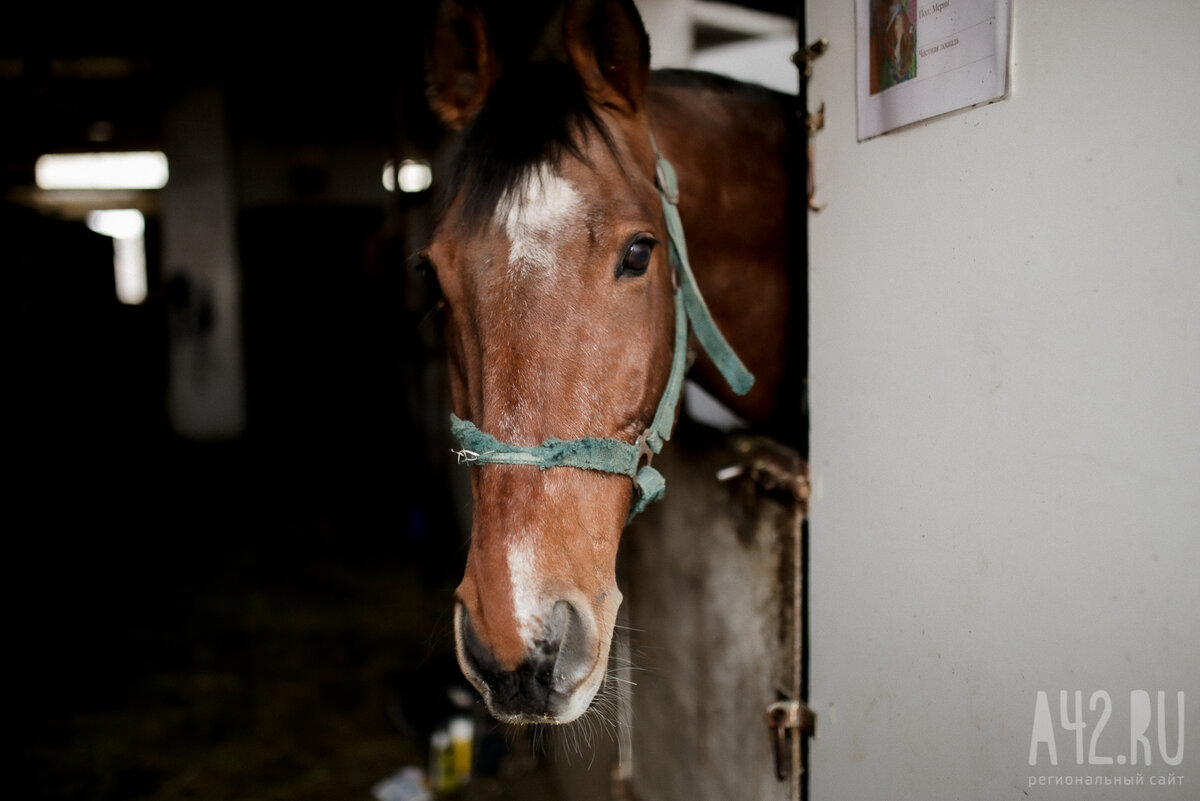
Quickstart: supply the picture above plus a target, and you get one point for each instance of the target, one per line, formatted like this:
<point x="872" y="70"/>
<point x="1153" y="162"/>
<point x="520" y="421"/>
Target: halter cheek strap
<point x="714" y="343"/>
<point x="608" y="454"/>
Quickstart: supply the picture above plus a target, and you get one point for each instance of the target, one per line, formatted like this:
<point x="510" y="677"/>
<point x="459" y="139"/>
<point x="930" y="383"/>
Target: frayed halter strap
<point x="613" y="455"/>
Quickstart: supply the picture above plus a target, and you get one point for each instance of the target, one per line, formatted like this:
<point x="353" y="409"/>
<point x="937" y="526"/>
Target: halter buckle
<point x="666" y="188"/>
<point x="645" y="452"/>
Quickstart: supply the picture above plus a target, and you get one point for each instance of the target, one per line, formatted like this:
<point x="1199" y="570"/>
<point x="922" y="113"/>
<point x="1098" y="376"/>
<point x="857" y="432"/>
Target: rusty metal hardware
<point x="779" y="470"/>
<point x="788" y="720"/>
<point x="804" y="58"/>
<point x="813" y="122"/>
<point x="773" y="467"/>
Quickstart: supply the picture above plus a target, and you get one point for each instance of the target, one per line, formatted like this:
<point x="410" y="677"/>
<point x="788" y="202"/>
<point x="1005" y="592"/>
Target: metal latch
<point x="788" y="721"/>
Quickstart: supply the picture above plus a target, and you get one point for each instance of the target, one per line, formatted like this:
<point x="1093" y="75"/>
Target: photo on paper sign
<point x="893" y="44"/>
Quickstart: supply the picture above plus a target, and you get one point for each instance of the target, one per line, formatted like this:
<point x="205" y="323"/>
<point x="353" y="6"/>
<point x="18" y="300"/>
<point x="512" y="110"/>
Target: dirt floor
<point x="234" y="632"/>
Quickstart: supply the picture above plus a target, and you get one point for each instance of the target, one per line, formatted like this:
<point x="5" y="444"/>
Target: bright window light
<point x="410" y="176"/>
<point x="414" y="176"/>
<point x="117" y="223"/>
<point x="127" y="227"/>
<point x="132" y="170"/>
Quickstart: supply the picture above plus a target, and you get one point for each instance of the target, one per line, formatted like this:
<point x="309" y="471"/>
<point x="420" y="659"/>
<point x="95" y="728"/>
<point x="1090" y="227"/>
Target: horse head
<point x="564" y="331"/>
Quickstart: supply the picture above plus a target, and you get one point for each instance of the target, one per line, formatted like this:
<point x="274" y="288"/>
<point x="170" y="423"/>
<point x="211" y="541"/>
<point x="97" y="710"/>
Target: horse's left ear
<point x="607" y="44"/>
<point x="462" y="63"/>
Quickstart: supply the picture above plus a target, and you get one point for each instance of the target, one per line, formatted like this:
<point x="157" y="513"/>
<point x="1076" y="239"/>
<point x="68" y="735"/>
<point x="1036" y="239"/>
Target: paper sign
<point x="921" y="58"/>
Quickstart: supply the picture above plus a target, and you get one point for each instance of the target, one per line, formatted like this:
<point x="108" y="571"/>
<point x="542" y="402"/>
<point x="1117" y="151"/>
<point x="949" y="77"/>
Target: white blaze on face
<point x="527" y="601"/>
<point x="536" y="216"/>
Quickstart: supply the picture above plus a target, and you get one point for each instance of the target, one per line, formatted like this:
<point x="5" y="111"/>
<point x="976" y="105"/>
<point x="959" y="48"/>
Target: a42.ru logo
<point x="1142" y="733"/>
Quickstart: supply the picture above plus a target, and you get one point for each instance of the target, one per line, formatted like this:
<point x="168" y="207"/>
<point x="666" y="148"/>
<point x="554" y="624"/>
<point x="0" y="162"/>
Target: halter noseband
<point x="611" y="455"/>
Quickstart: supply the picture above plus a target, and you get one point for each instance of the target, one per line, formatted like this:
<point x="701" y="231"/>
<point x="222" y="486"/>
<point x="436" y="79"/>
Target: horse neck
<point x="729" y="145"/>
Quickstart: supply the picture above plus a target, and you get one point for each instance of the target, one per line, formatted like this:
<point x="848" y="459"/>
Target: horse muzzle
<point x="554" y="682"/>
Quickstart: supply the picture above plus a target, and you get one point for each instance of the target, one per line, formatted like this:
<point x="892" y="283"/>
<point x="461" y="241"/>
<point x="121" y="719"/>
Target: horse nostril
<point x="557" y="662"/>
<point x="573" y="640"/>
<point x="476" y="656"/>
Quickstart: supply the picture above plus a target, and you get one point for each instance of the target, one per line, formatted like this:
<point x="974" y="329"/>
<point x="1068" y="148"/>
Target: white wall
<point x="1005" y="379"/>
<point x="668" y="22"/>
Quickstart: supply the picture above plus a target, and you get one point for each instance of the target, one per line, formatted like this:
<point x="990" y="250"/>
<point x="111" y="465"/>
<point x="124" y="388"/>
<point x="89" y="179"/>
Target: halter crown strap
<point x="710" y="337"/>
<point x="612" y="455"/>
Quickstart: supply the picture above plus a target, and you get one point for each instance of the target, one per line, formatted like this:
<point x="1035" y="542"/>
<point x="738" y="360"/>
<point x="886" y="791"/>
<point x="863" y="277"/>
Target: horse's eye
<point x="637" y="257"/>
<point x="432" y="299"/>
<point x="420" y="264"/>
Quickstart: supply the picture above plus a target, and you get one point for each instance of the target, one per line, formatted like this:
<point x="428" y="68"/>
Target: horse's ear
<point x="607" y="44"/>
<point x="462" y="64"/>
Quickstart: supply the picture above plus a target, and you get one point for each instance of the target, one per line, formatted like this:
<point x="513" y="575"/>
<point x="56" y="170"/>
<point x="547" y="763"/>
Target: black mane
<point x="534" y="114"/>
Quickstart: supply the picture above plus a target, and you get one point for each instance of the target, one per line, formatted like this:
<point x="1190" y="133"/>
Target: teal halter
<point x="611" y="455"/>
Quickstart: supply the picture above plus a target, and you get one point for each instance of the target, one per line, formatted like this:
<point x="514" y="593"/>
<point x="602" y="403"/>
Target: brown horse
<point x="553" y="255"/>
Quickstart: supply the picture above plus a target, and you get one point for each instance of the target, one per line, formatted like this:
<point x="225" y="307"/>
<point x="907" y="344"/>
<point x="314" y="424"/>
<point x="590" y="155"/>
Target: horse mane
<point x="535" y="114"/>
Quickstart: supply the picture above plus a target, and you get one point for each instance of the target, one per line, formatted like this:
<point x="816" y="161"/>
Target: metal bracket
<point x="813" y="122"/>
<point x="771" y="466"/>
<point x="803" y="59"/>
<point x="788" y="720"/>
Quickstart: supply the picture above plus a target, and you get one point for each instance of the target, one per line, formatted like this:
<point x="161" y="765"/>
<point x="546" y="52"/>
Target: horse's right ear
<point x="462" y="64"/>
<point x="607" y="44"/>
